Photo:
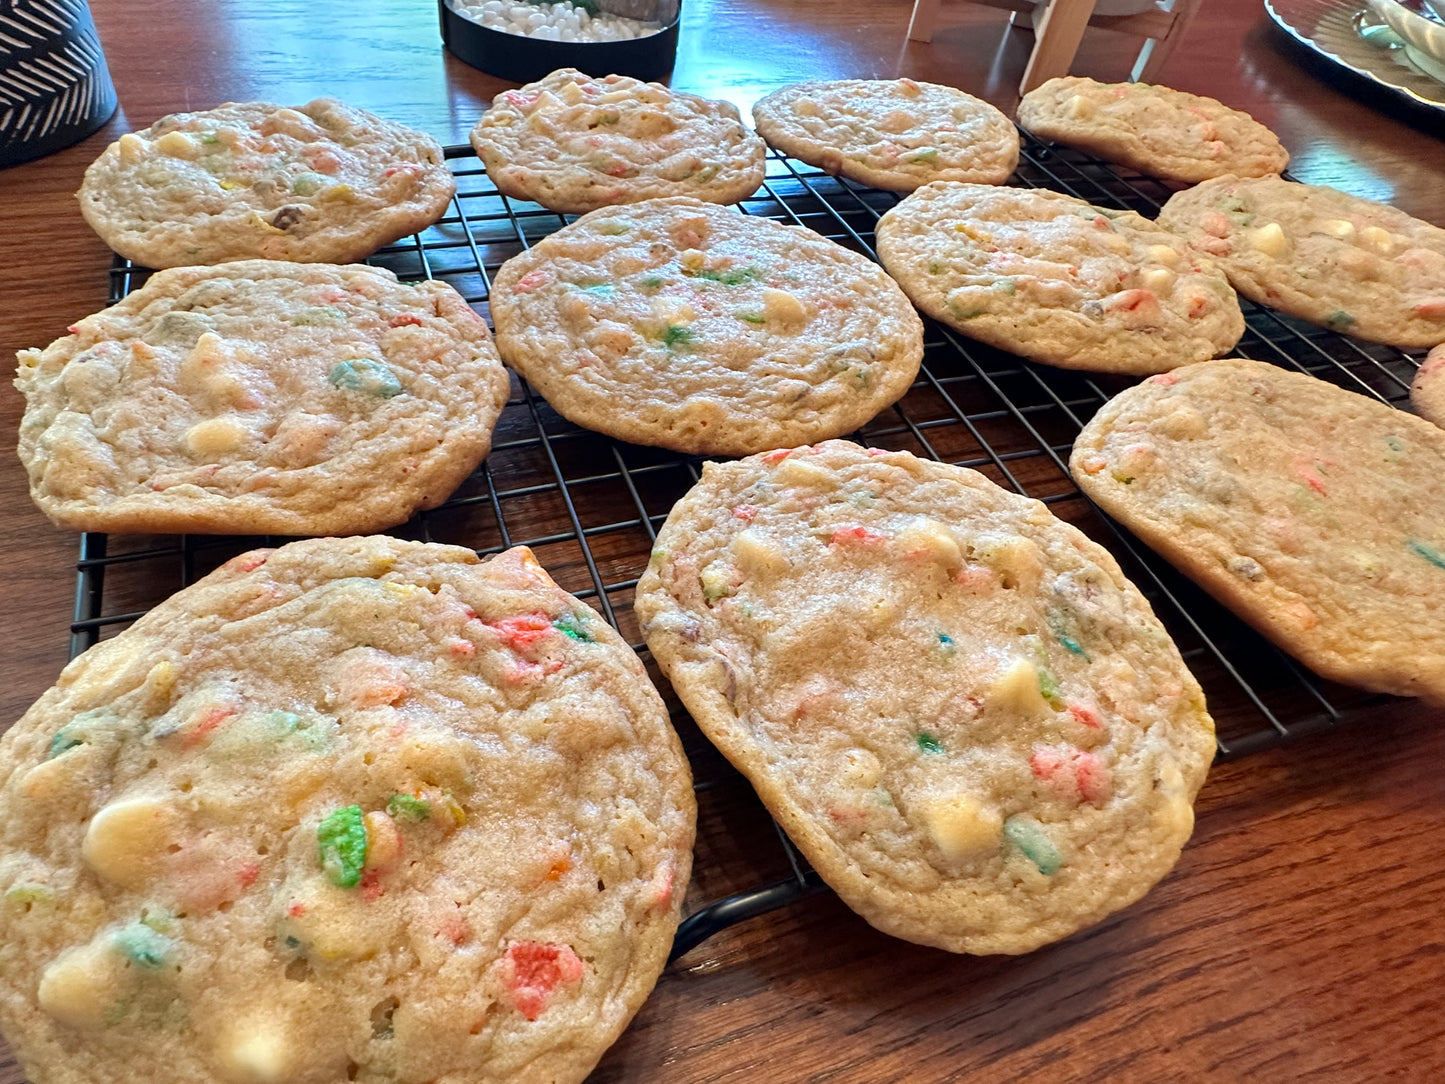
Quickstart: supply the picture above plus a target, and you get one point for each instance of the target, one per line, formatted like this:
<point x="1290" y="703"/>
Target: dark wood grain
<point x="1301" y="936"/>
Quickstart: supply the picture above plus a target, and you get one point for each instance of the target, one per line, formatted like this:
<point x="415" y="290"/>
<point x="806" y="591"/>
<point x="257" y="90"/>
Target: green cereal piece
<point x="405" y="807"/>
<point x="960" y="313"/>
<point x="927" y="743"/>
<point x="601" y="289"/>
<point x="751" y="316"/>
<point x="730" y="277"/>
<point x="946" y="647"/>
<point x="1049" y="688"/>
<point x="1006" y="286"/>
<point x="652" y="282"/>
<point x="308" y="184"/>
<point x="366" y="376"/>
<point x="158" y="919"/>
<point x="676" y="335"/>
<point x="924" y="154"/>
<point x="144" y="945"/>
<point x="209" y="138"/>
<point x="612" y="227"/>
<point x="1339" y="320"/>
<point x="341" y="839"/>
<point x="573" y="626"/>
<point x="319" y="316"/>
<point x="1030" y="839"/>
<point x="1430" y="553"/>
<point x="63" y="740"/>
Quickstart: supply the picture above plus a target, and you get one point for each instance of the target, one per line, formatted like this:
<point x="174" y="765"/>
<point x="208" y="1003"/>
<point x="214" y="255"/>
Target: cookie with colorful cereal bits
<point x="955" y="704"/>
<point x="890" y="133"/>
<point x="1352" y="265"/>
<point x="321" y="183"/>
<point x="1427" y="390"/>
<point x="1157" y="130"/>
<point x="351" y="809"/>
<point x="574" y="143"/>
<point x="1314" y="513"/>
<point x="261" y="397"/>
<point x="689" y="326"/>
<point x="1057" y="280"/>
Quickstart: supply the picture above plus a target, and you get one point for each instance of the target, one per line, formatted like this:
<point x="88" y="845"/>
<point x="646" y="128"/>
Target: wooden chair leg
<point x="1056" y="39"/>
<point x="925" y="18"/>
<point x="1156" y="50"/>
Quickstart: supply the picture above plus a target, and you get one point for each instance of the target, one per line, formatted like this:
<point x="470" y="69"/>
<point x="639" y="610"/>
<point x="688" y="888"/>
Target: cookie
<point x="574" y="143"/>
<point x="690" y="326"/>
<point x="890" y="133"/>
<point x="1349" y="264"/>
<point x="352" y="809"/>
<point x="956" y="705"/>
<point x="1427" y="390"/>
<point x="1054" y="279"/>
<point x="260" y="397"/>
<point x="1314" y="513"/>
<point x="322" y="183"/>
<point x="1156" y="130"/>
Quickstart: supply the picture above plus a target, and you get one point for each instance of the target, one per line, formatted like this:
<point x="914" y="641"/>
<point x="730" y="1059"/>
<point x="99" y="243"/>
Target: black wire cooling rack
<point x="590" y="507"/>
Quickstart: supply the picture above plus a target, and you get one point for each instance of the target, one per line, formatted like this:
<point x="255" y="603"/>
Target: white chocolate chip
<point x="783" y="308"/>
<point x="178" y="145"/>
<point x="931" y="539"/>
<point x="672" y="310"/>
<point x="1078" y="107"/>
<point x="1382" y="241"/>
<point x="1270" y="240"/>
<point x="861" y="769"/>
<point x="1157" y="279"/>
<point x="1017" y="688"/>
<point x="1342" y="228"/>
<point x="256" y="1053"/>
<point x="692" y="258"/>
<point x="1167" y="255"/>
<point x="81" y="985"/>
<point x="756" y="555"/>
<point x="798" y="472"/>
<point x="125" y="839"/>
<point x="215" y="437"/>
<point x="961" y="826"/>
<point x="132" y="148"/>
<point x="1015" y="559"/>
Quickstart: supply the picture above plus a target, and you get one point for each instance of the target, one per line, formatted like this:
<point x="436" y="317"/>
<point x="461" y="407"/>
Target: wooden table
<point x="1302" y="933"/>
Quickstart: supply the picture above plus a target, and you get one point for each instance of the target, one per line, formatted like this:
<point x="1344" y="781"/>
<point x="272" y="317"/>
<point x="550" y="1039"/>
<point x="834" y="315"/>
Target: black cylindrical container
<point x="54" y="86"/>
<point x="524" y="59"/>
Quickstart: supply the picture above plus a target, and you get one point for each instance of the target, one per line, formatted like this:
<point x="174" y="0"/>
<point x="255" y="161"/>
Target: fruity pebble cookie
<point x="1057" y="280"/>
<point x="322" y="183"/>
<point x="890" y="133"/>
<point x="261" y="397"/>
<point x="690" y="326"/>
<point x="1349" y="264"/>
<point x="961" y="712"/>
<point x="1316" y="514"/>
<point x="1157" y="130"/>
<point x="1427" y="390"/>
<point x="353" y="809"/>
<point x="574" y="143"/>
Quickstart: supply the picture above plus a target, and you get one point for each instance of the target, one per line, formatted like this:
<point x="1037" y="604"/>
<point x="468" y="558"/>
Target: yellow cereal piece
<point x="1270" y="240"/>
<point x="1016" y="688"/>
<point x="256" y="1052"/>
<point x="132" y="148"/>
<point x="961" y="826"/>
<point x="80" y="986"/>
<point x="215" y="437"/>
<point x="1014" y="558"/>
<point x="383" y="841"/>
<point x="692" y="258"/>
<point x="673" y="310"/>
<point x="1157" y="279"/>
<point x="125" y="839"/>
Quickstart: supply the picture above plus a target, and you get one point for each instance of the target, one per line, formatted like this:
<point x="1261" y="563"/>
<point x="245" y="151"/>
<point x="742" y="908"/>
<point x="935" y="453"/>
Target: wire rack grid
<point x="590" y="507"/>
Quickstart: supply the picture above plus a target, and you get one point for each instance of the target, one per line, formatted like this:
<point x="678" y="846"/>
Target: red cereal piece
<point x="1165" y="378"/>
<point x="1084" y="715"/>
<point x="746" y="512"/>
<point x="524" y="630"/>
<point x="296" y="909"/>
<point x="1072" y="772"/>
<point x="405" y="319"/>
<point x="532" y="972"/>
<point x="530" y="281"/>
<point x="780" y="454"/>
<point x="463" y="649"/>
<point x="860" y="536"/>
<point x="248" y="873"/>
<point x="370" y="889"/>
<point x="208" y="722"/>
<point x="248" y="562"/>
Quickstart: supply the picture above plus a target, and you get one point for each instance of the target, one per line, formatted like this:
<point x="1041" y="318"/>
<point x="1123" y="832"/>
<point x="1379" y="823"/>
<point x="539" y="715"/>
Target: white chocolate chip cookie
<point x="1157" y="130"/>
<point x="1349" y="264"/>
<point x="353" y="809"/>
<point x="260" y="397"/>
<point x="689" y="326"/>
<point x="961" y="712"/>
<point x="322" y="183"/>
<point x="890" y="133"/>
<point x="574" y="143"/>
<point x="1057" y="280"/>
<point x="1427" y="390"/>
<point x="1316" y="514"/>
